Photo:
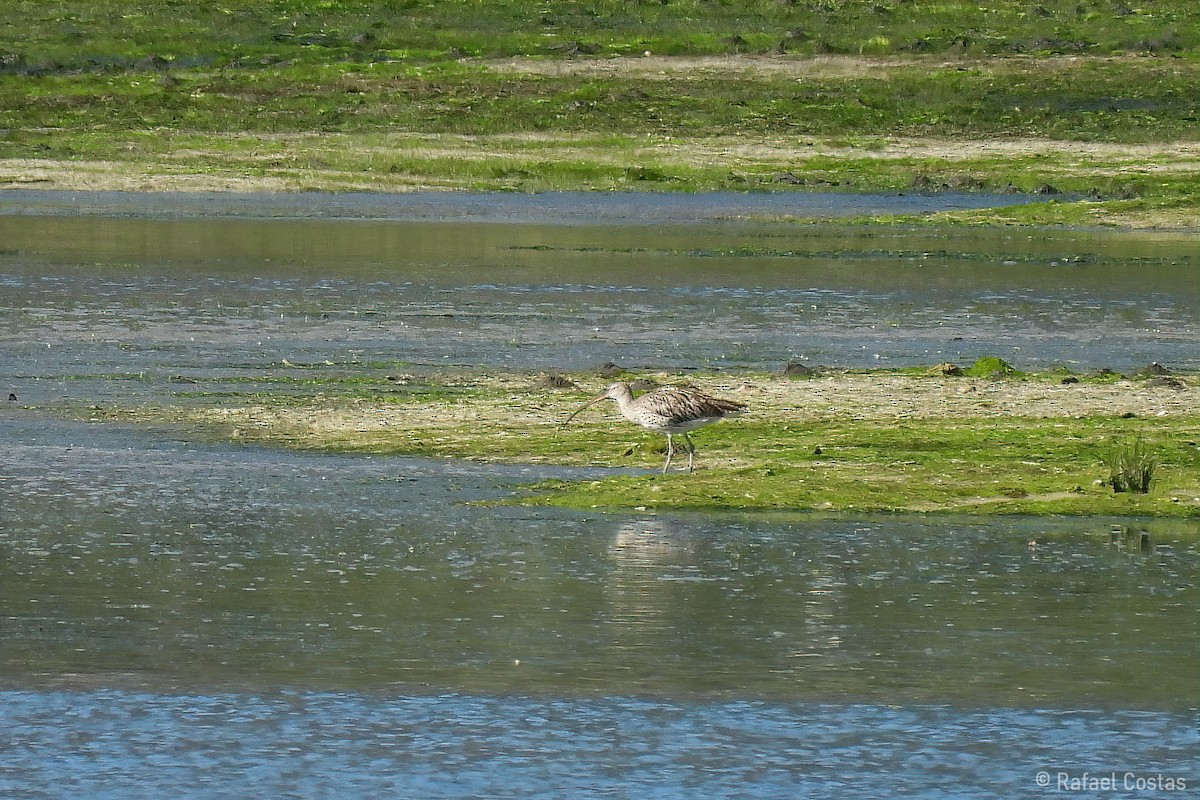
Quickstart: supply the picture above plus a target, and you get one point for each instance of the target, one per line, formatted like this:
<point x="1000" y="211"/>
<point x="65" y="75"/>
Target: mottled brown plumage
<point x="669" y="410"/>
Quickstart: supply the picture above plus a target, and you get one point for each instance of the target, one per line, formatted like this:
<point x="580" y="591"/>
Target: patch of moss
<point x="991" y="367"/>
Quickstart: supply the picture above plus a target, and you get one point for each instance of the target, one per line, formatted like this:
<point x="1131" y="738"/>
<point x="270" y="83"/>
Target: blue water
<point x="104" y="744"/>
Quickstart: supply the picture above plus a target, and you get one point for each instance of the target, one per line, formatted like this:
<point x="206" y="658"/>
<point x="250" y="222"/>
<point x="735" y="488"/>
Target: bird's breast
<point x="668" y="423"/>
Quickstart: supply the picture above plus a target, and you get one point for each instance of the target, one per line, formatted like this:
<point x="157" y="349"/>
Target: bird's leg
<point x="691" y="450"/>
<point x="670" y="452"/>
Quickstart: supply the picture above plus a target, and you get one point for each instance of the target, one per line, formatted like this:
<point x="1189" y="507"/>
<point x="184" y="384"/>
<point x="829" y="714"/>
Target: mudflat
<point x="848" y="441"/>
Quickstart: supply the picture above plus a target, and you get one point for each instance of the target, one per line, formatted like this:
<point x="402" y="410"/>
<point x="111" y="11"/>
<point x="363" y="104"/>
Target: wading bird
<point x="669" y="410"/>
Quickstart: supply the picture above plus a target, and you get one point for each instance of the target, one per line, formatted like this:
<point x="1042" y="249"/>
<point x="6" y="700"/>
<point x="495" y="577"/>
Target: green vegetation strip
<point x="1009" y="466"/>
<point x="1095" y="100"/>
<point x="921" y="441"/>
<point x="72" y="35"/>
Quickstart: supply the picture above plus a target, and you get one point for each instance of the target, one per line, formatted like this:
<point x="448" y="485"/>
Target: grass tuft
<point x="1131" y="467"/>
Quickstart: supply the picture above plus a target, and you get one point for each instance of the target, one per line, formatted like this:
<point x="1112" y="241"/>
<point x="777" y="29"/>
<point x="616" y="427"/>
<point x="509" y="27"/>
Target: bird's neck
<point x="624" y="397"/>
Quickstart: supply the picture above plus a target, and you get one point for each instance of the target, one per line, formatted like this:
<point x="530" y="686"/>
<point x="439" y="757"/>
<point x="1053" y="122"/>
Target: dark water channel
<point x="211" y="621"/>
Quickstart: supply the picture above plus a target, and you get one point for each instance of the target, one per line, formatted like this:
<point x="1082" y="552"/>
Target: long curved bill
<point x="589" y="403"/>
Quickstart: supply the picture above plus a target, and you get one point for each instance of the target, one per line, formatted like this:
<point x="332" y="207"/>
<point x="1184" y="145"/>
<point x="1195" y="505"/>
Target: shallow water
<point x="188" y="620"/>
<point x="566" y="208"/>
<point x="210" y="300"/>
<point x="228" y="567"/>
<point x="191" y="618"/>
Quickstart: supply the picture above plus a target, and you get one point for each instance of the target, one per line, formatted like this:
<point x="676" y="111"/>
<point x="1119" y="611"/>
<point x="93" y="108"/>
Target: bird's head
<point x="615" y="391"/>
